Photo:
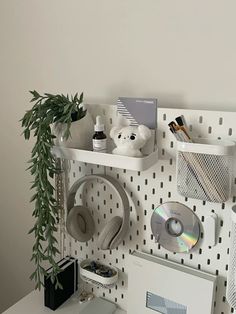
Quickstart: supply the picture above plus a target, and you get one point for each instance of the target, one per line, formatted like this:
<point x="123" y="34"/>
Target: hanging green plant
<point x="47" y="110"/>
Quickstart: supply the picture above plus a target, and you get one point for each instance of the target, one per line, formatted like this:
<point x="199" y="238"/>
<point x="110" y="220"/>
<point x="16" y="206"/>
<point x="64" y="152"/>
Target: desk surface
<point x="33" y="303"/>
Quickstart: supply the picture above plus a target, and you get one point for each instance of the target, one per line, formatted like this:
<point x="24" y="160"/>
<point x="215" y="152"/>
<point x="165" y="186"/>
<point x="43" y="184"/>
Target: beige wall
<point x="182" y="52"/>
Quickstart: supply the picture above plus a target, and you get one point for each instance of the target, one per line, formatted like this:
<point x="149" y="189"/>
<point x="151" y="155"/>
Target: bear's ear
<point x="144" y="132"/>
<point x="114" y="131"/>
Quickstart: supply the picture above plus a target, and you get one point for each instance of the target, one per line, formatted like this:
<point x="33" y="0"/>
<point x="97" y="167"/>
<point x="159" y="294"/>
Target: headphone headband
<point x="120" y="192"/>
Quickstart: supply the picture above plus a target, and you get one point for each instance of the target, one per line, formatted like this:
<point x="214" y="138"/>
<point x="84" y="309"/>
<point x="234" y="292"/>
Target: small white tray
<point x="95" y="278"/>
<point x="106" y="159"/>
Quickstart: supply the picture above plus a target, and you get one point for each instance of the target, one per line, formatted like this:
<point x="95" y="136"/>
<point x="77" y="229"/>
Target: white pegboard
<point x="146" y="191"/>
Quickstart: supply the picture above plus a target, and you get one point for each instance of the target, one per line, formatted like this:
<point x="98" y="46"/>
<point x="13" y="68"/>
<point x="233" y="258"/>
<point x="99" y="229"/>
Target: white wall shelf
<point x="106" y="159"/>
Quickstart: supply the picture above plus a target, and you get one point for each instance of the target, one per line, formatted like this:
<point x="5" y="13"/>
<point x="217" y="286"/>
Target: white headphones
<point x="80" y="224"/>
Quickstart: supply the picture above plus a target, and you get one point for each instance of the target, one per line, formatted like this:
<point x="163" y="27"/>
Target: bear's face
<point x="129" y="137"/>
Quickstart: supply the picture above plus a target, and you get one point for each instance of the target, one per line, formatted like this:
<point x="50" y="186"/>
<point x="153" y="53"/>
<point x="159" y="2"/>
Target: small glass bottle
<point x="99" y="137"/>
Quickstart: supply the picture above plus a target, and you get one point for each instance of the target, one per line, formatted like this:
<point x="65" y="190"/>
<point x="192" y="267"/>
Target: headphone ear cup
<point x="80" y="224"/>
<point x="109" y="232"/>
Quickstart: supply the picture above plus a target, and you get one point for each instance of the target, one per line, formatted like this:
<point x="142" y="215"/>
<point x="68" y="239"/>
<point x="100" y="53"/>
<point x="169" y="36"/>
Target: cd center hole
<point x="174" y="227"/>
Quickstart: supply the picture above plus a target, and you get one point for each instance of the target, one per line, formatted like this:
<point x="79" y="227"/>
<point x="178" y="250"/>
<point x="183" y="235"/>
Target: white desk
<point x="33" y="303"/>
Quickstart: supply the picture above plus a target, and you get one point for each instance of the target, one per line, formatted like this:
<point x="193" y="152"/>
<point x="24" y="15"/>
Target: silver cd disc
<point x="175" y="227"/>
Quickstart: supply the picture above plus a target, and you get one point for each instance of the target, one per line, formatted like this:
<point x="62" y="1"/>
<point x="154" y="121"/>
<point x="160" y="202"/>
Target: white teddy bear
<point x="129" y="139"/>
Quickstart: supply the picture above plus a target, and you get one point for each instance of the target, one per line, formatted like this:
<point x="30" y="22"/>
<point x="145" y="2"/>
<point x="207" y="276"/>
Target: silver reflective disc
<point x="175" y="227"/>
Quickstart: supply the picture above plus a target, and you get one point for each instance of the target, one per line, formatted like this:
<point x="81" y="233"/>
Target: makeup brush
<point x="182" y="126"/>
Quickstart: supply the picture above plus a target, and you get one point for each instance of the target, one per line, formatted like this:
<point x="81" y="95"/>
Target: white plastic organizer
<point x="95" y="279"/>
<point x="106" y="159"/>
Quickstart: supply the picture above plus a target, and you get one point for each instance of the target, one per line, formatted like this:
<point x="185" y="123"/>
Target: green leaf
<point x="81" y="98"/>
<point x="33" y="276"/>
<point x="58" y="285"/>
<point x="33" y="198"/>
<point x="27" y="134"/>
<point x="32" y="230"/>
<point x="35" y="94"/>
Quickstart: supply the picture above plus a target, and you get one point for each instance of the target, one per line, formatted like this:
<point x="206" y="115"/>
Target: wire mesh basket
<point x="231" y="278"/>
<point x="204" y="169"/>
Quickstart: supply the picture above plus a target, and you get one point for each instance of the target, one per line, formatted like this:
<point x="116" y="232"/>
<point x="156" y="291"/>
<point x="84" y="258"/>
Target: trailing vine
<point x="47" y="110"/>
